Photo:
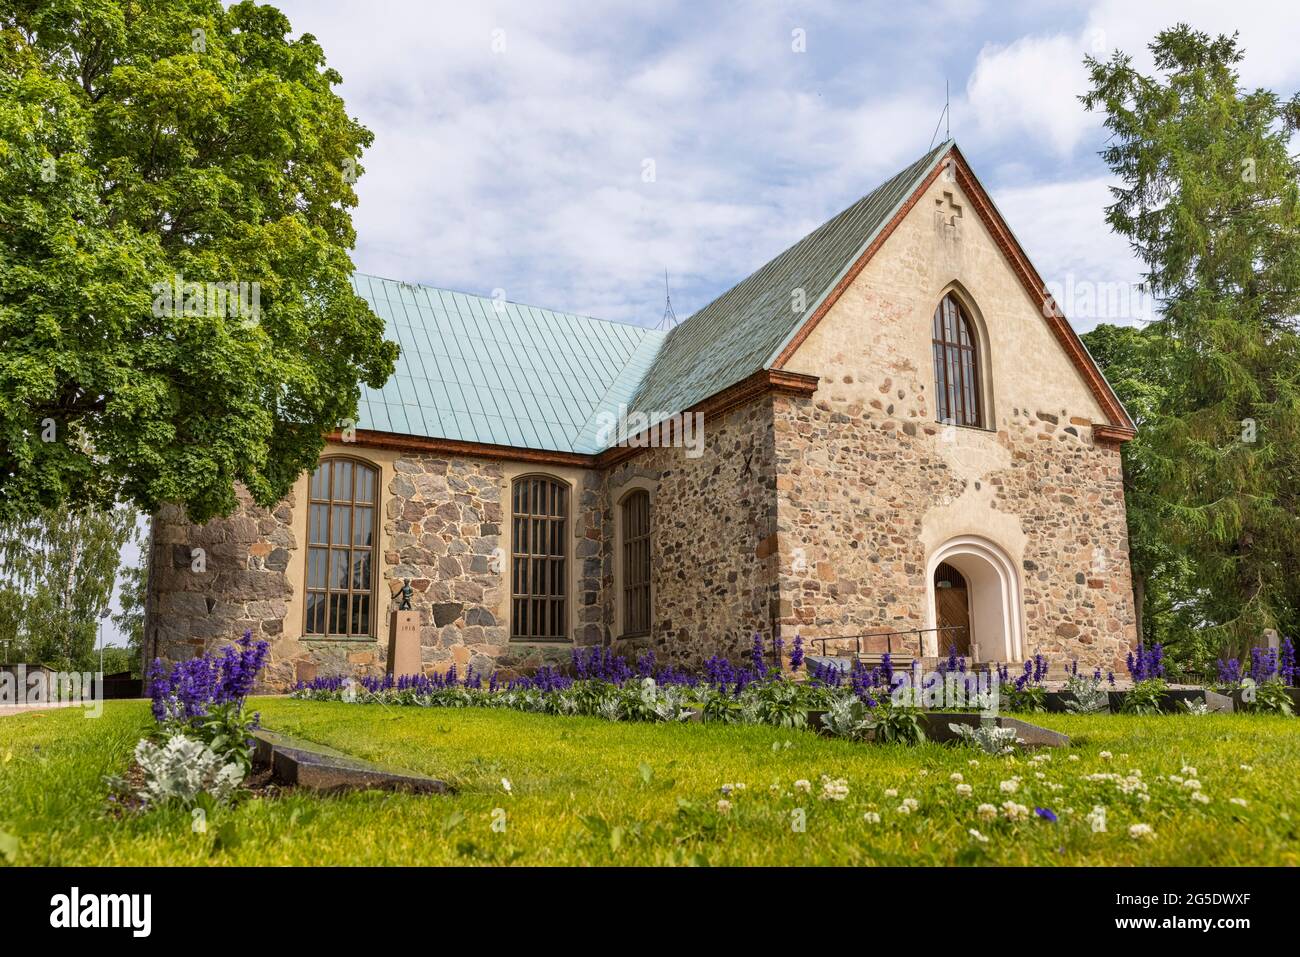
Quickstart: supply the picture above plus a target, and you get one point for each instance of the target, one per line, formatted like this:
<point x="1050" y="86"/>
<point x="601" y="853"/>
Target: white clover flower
<point x="1192" y="785"/>
<point x="834" y="790"/>
<point x="1240" y="802"/>
<point x="956" y="776"/>
<point x="803" y="785"/>
<point x="1097" y="819"/>
<point x="891" y="792"/>
<point x="965" y="790"/>
<point x="1010" y="787"/>
<point x="973" y="763"/>
<point x="986" y="812"/>
<point x="903" y="809"/>
<point x="977" y="836"/>
<point x="1189" y="771"/>
<point x="1201" y="796"/>
<point x="724" y="806"/>
<point x="871" y="817"/>
<point x="1137" y="831"/>
<point x="911" y="803"/>
<point x="739" y="785"/>
<point x="1105" y="755"/>
<point x="505" y="784"/>
<point x="1073" y="757"/>
<point x="1176" y="778"/>
<point x="1014" y="811"/>
<point x="1247" y="767"/>
<point x="1040" y="775"/>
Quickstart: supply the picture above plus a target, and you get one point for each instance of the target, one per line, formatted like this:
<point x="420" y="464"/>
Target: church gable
<point x="944" y="254"/>
<point x="949" y="239"/>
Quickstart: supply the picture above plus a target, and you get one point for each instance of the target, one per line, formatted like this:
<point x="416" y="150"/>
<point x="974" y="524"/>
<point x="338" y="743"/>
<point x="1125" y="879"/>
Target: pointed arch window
<point x="341" y="549"/>
<point x="956" y="365"/>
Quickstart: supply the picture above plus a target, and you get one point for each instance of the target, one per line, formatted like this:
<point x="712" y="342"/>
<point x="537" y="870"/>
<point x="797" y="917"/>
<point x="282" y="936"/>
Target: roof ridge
<point x="740" y="331"/>
<point x="512" y="302"/>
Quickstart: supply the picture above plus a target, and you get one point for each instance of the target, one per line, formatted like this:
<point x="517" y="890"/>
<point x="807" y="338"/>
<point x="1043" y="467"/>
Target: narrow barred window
<point x="636" y="563"/>
<point x="341" y="546"/>
<point x="539" y="559"/>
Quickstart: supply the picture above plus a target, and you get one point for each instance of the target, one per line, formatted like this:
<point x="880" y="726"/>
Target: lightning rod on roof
<point x="670" y="318"/>
<point x="944" y="116"/>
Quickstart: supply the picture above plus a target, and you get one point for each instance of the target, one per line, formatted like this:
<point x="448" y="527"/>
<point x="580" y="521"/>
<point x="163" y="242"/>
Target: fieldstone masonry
<point x="713" y="544"/>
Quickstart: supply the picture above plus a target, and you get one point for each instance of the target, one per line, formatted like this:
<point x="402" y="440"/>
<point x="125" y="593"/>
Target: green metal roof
<point x="481" y="370"/>
<point x="744" y="329"/>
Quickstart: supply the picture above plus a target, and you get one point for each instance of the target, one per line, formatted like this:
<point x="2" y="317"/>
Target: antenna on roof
<point x="942" y="117"/>
<point x="670" y="318"/>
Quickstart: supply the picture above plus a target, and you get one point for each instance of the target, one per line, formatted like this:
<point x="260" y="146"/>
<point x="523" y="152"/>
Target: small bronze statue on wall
<point x="406" y="595"/>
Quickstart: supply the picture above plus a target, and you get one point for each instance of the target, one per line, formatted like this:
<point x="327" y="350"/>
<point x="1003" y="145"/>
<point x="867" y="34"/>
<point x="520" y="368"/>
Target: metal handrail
<point x="887" y="635"/>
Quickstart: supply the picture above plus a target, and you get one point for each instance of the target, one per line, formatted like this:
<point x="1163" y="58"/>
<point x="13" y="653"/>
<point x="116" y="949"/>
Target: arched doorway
<point x="972" y="575"/>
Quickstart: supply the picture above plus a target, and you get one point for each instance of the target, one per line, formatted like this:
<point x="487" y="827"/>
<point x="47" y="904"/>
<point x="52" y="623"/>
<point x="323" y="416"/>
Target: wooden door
<point x="952" y="611"/>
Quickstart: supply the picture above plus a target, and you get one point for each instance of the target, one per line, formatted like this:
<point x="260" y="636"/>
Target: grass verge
<point x="586" y="791"/>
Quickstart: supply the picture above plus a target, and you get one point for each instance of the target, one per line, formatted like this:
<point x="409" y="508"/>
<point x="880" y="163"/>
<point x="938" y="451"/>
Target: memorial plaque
<point x="404" y="643"/>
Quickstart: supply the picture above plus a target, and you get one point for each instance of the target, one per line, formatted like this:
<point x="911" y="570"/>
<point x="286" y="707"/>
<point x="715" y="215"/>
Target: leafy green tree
<point x="1208" y="200"/>
<point x="147" y="150"/>
<point x="133" y="590"/>
<point x="1132" y="360"/>
<point x="116" y="659"/>
<point x="58" y="573"/>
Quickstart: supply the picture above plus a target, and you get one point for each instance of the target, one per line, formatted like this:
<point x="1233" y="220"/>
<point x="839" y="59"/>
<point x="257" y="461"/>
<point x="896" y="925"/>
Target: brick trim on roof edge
<point x="761" y="383"/>
<point x="1121" y="427"/>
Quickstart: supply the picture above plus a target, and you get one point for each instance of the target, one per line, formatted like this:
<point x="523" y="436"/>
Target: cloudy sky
<point x="513" y="141"/>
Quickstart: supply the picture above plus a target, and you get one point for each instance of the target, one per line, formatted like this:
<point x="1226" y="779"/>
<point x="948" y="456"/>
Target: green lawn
<point x="585" y="791"/>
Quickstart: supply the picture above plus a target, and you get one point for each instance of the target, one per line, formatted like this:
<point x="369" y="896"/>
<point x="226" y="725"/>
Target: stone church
<point x="888" y="437"/>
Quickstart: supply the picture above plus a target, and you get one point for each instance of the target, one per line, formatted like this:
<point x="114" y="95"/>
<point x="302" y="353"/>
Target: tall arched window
<point x="341" y="547"/>
<point x="956" y="365"/>
<point x="636" y="563"/>
<point x="539" y="573"/>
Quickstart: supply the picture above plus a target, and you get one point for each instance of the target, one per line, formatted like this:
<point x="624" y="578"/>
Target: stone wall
<point x="856" y="486"/>
<point x="443" y="527"/>
<point x="713" y="539"/>
<point x="210" y="583"/>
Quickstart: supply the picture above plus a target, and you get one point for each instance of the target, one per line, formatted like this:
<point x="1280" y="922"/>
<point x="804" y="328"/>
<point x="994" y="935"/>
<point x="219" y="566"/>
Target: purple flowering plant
<point x="204" y="697"/>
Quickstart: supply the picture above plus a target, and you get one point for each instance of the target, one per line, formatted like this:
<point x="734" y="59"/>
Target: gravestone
<point x="318" y="767"/>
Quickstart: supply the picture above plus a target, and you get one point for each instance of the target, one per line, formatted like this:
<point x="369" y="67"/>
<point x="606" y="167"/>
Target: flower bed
<point x="853" y="702"/>
<point x="202" y="748"/>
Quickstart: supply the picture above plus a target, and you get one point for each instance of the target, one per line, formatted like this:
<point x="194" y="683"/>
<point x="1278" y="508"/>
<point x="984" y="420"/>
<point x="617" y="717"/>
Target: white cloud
<point x="1030" y="86"/>
<point x="1028" y="90"/>
<point x="1062" y="228"/>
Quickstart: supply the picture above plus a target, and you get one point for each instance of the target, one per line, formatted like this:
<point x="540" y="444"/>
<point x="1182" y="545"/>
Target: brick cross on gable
<point x="947" y="211"/>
